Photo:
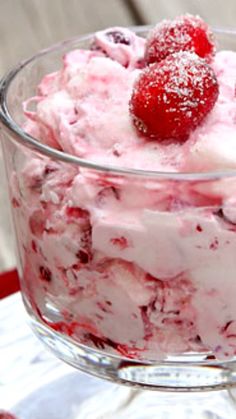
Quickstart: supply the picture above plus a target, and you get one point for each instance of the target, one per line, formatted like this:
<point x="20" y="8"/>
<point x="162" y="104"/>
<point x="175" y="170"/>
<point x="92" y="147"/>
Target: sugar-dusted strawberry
<point x="185" y="33"/>
<point x="171" y="98"/>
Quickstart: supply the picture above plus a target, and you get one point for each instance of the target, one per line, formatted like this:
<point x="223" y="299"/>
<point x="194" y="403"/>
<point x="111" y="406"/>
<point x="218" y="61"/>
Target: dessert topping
<point x="185" y="33"/>
<point x="171" y="98"/>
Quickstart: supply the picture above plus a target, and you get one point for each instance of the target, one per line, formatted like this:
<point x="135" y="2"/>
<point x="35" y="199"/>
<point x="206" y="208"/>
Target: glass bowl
<point x="128" y="275"/>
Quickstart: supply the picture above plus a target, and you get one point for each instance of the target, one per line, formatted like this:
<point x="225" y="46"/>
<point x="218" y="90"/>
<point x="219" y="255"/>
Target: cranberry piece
<point x="83" y="256"/>
<point x="45" y="274"/>
<point x="77" y="212"/>
<point x="118" y="37"/>
<point x="120" y="242"/>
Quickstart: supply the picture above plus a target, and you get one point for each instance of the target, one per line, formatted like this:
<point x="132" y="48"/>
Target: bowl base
<point x="187" y="373"/>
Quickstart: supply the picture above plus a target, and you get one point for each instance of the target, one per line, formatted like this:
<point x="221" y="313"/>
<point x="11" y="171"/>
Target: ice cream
<point x="142" y="266"/>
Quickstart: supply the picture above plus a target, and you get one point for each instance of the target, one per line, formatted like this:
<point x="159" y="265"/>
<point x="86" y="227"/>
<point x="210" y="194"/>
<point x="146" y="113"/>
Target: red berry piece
<point x="77" y="212"/>
<point x="83" y="256"/>
<point x="185" y="33"/>
<point x="171" y="98"/>
<point x="111" y="36"/>
<point x="45" y="274"/>
<point x="118" y="37"/>
<point x="120" y="242"/>
<point x="37" y="223"/>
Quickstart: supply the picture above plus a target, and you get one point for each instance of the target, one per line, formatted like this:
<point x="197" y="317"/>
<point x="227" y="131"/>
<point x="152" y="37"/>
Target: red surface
<point x="9" y="283"/>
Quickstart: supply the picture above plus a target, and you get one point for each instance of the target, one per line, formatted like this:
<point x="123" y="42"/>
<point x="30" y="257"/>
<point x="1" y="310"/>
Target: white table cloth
<point x="35" y="385"/>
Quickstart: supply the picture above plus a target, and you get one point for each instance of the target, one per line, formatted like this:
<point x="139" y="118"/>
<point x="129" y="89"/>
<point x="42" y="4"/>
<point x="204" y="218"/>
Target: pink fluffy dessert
<point x="144" y="268"/>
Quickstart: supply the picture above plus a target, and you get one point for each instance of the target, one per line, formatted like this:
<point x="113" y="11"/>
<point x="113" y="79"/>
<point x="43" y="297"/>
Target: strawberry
<point x="185" y="33"/>
<point x="172" y="98"/>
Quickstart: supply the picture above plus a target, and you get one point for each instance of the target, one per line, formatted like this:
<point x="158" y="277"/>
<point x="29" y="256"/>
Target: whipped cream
<point x="142" y="267"/>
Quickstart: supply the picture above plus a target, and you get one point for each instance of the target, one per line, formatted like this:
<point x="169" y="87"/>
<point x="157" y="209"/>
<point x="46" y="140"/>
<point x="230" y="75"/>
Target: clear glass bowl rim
<point x="18" y="134"/>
